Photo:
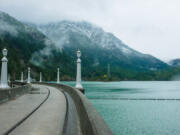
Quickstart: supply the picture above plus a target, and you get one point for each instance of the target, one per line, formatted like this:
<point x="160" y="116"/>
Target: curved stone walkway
<point x="47" y="120"/>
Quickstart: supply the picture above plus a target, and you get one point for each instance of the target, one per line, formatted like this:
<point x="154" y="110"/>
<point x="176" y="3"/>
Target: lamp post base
<point x="2" y="86"/>
<point x="81" y="90"/>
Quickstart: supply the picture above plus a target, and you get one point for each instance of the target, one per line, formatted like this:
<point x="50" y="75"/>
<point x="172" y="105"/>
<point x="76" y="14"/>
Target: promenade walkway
<point x="41" y="112"/>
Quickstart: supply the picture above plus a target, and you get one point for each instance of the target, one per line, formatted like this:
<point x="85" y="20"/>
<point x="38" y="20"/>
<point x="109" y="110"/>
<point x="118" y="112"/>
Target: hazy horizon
<point x="149" y="27"/>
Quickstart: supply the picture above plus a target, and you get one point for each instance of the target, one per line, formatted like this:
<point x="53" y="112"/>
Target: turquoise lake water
<point x="148" y="116"/>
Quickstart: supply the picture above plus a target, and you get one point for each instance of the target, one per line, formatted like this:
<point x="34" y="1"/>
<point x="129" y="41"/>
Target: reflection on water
<point x="137" y="117"/>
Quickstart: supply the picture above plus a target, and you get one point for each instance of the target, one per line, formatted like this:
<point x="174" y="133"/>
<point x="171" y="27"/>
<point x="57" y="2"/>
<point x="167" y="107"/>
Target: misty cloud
<point x="7" y="28"/>
<point x="45" y="53"/>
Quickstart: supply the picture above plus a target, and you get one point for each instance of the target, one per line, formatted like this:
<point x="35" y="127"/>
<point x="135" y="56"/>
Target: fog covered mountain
<point x="46" y="47"/>
<point x="98" y="46"/>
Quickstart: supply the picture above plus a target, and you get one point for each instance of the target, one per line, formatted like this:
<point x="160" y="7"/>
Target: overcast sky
<point x="149" y="26"/>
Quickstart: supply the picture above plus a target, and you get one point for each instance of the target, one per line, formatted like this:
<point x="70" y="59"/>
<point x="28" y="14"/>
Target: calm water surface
<point x="137" y="117"/>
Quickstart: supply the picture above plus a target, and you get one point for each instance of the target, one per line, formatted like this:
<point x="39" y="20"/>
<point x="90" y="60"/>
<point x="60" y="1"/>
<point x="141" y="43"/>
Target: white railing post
<point x="29" y="75"/>
<point x="58" y="80"/>
<point x="40" y="79"/>
<point x="22" y="77"/>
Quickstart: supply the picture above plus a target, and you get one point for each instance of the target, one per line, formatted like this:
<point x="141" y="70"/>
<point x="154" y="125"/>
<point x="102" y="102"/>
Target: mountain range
<point x="48" y="46"/>
<point x="98" y="46"/>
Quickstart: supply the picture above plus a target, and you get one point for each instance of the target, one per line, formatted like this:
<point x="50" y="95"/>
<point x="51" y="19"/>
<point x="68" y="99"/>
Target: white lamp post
<point x="78" y="75"/>
<point x="4" y="72"/>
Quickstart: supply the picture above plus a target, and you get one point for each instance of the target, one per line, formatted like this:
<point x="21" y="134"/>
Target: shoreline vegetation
<point x="163" y="75"/>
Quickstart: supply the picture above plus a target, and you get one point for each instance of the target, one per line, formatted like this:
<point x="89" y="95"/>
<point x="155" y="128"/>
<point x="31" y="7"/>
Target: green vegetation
<point x="125" y="75"/>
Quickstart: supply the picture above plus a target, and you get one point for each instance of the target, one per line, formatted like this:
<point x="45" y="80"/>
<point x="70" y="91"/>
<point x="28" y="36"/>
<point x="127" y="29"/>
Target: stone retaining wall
<point x="90" y="120"/>
<point x="11" y="93"/>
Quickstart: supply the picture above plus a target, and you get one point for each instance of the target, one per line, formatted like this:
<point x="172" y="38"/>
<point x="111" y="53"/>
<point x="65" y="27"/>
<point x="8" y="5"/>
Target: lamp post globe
<point x="4" y="51"/>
